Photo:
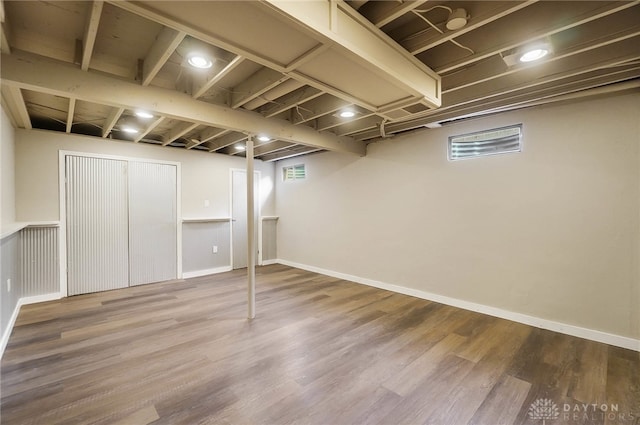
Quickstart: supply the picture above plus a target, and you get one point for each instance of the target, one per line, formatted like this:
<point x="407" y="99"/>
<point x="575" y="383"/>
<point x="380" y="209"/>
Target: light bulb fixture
<point x="144" y="114"/>
<point x="264" y="138"/>
<point x="130" y="130"/>
<point x="240" y="148"/>
<point x="347" y="113"/>
<point x="457" y="19"/>
<point x="198" y="60"/>
<point x="534" y="54"/>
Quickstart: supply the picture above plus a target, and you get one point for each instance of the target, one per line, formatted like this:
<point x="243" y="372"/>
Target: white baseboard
<point x="269" y="262"/>
<point x="591" y="334"/>
<point x="40" y="298"/>
<point x="198" y="273"/>
<point x="23" y="301"/>
<point x="9" y="328"/>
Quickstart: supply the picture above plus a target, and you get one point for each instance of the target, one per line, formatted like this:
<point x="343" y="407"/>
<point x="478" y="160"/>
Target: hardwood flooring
<point x="321" y="351"/>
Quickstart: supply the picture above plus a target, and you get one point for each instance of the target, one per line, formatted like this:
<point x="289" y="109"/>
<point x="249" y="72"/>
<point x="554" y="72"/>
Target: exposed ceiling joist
<point x="70" y="114"/>
<point x="141" y="135"/>
<point x="288" y="153"/>
<point x="30" y="71"/>
<point x="226" y="140"/>
<point x="178" y="131"/>
<point x="271" y="147"/>
<point x="202" y="83"/>
<point x="166" y="43"/>
<point x="291" y="100"/>
<point x="111" y="121"/>
<point x="354" y="44"/>
<point x="259" y="83"/>
<point x="427" y="40"/>
<point x="554" y="27"/>
<point x="380" y="13"/>
<point x="90" y="33"/>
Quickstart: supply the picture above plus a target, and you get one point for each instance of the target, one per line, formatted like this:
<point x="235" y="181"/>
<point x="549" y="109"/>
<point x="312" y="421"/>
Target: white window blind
<point x="294" y="172"/>
<point x="488" y="142"/>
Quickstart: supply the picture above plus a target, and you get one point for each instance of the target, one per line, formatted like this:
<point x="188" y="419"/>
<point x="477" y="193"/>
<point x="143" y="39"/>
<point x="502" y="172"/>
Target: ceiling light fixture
<point x="347" y="113"/>
<point x="239" y="147"/>
<point x="144" y="114"/>
<point x="457" y="19"/>
<point x="534" y="54"/>
<point x="264" y="138"/>
<point x="198" y="60"/>
<point x="130" y="130"/>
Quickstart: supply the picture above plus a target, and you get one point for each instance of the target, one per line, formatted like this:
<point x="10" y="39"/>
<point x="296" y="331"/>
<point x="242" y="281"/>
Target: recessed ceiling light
<point x="457" y="19"/>
<point x="130" y="130"/>
<point x="240" y="147"/>
<point x="534" y="54"/>
<point x="198" y="60"/>
<point x="144" y="114"/>
<point x="347" y="113"/>
<point x="264" y="138"/>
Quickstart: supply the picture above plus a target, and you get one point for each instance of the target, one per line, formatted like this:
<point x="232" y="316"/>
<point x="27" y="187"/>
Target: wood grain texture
<point x="321" y="351"/>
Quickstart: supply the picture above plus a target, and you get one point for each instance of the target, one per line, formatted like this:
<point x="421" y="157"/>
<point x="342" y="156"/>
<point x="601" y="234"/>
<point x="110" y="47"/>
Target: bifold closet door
<point x="97" y="225"/>
<point x="152" y="222"/>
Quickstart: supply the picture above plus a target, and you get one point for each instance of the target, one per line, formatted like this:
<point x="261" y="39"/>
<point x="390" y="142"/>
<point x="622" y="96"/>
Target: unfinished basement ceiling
<point x="288" y="69"/>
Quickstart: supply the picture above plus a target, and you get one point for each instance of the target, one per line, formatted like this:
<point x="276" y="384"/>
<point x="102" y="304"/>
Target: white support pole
<point x="251" y="239"/>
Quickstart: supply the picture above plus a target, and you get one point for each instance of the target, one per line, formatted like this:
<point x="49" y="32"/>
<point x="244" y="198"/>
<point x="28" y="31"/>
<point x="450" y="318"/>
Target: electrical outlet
<point x="206" y="203"/>
<point x="9" y="285"/>
<point x="215" y="249"/>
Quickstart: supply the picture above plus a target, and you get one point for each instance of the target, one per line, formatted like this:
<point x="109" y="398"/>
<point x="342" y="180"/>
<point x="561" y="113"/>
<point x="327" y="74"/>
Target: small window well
<point x="488" y="142"/>
<point x="294" y="172"/>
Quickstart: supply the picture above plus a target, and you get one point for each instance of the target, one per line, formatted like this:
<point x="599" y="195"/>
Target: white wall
<point x="205" y="176"/>
<point x="552" y="232"/>
<point x="7" y="170"/>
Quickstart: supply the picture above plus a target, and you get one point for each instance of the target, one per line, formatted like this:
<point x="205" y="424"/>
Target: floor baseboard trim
<point x="269" y="262"/>
<point x="12" y="321"/>
<point x="577" y="331"/>
<point x="205" y="272"/>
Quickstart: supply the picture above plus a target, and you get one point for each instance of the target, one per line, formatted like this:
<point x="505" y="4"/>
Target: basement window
<point x="294" y="172"/>
<point x="488" y="142"/>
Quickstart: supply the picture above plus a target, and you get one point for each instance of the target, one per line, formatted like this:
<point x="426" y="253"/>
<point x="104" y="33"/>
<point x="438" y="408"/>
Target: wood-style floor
<point x="321" y="351"/>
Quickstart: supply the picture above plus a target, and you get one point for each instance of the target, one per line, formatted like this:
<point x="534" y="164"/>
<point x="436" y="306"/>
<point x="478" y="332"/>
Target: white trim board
<point x="23" y="301"/>
<point x="205" y="272"/>
<point x="577" y="331"/>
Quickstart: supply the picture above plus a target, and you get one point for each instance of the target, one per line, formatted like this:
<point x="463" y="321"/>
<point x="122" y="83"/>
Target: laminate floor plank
<point x="320" y="351"/>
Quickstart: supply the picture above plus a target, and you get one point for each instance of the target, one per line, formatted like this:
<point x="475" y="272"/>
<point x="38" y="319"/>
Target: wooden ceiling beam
<point x="90" y="33"/>
<point x="38" y="73"/>
<point x="380" y="13"/>
<point x="288" y="153"/>
<point x="70" y="114"/>
<point x="226" y="140"/>
<point x="111" y="121"/>
<point x="203" y="83"/>
<point x="291" y="100"/>
<point x="178" y="131"/>
<point x="149" y="129"/>
<point x="14" y="102"/>
<point x="427" y="40"/>
<point x="256" y="85"/>
<point x="166" y="43"/>
<point x="553" y="28"/>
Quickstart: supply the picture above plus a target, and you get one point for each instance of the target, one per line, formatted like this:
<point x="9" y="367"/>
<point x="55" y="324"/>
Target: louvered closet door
<point x="97" y="225"/>
<point x="152" y="222"/>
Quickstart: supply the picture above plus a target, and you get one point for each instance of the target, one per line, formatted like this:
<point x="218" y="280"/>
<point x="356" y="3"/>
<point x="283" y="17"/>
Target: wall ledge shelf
<point x="206" y="219"/>
<point x="16" y="227"/>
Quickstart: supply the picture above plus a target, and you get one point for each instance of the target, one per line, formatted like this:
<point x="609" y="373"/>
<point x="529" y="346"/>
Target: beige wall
<point x="205" y="176"/>
<point x="551" y="232"/>
<point x="7" y="177"/>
